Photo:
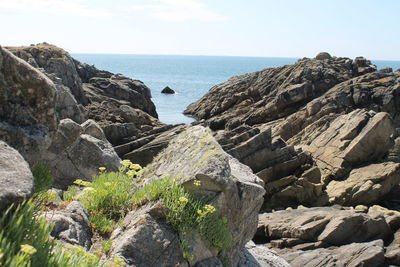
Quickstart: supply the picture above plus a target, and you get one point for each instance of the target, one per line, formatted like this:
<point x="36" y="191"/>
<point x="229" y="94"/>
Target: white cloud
<point x="57" y="7"/>
<point x="179" y="10"/>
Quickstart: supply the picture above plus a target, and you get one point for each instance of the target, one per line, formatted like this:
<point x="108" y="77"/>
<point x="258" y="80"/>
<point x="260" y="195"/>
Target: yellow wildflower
<point x="131" y="173"/>
<point x="200" y="212"/>
<point x="102" y="169"/>
<point x="197" y="183"/>
<point x="126" y="163"/>
<point x="135" y="167"/>
<point x="209" y="209"/>
<point x="82" y="183"/>
<point x="89" y="189"/>
<point x="28" y="249"/>
<point x="107" y="184"/>
<point x="183" y="200"/>
<point x="139" y="173"/>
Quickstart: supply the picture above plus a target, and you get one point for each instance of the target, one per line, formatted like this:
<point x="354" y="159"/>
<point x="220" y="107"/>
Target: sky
<point x="261" y="28"/>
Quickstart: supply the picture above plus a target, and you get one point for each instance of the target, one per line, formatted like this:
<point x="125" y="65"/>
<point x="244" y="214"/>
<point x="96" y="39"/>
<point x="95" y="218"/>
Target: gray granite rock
<point x="16" y="180"/>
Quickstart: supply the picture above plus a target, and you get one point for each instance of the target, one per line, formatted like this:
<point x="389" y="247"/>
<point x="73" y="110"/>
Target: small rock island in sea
<point x="297" y="165"/>
<point x="167" y="90"/>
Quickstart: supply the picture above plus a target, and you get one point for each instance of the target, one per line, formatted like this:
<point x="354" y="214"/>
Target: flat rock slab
<point x="325" y="226"/>
<point x="16" y="180"/>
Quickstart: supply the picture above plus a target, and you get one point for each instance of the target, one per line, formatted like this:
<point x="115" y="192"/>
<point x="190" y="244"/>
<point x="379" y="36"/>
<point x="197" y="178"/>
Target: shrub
<point x="187" y="212"/>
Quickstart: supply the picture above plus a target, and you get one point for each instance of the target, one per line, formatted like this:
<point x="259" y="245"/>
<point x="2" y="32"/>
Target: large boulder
<point x="16" y="180"/>
<point x="77" y="151"/>
<point x="236" y="192"/>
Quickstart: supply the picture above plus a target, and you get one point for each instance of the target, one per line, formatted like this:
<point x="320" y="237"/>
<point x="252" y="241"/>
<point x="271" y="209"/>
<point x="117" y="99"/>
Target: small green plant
<point x="42" y="177"/>
<point x="70" y="194"/>
<point x="106" y="246"/>
<point x="187" y="212"/>
<point x="108" y="197"/>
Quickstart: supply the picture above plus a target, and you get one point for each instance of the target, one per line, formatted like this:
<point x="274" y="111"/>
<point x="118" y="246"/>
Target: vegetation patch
<point x="187" y="212"/>
<point x="108" y="198"/>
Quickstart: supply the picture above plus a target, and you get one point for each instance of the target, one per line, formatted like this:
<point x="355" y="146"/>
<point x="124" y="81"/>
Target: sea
<point x="190" y="77"/>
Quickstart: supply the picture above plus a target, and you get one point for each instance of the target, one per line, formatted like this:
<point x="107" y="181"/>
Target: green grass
<point x="108" y="198"/>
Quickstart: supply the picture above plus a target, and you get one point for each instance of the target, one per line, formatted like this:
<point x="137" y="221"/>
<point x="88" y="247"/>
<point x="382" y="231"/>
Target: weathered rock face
<point x="77" y="151"/>
<point x="235" y="191"/>
<point x="71" y="225"/>
<point x="16" y="180"/>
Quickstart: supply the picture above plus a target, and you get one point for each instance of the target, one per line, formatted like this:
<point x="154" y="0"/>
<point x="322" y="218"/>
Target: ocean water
<point x="190" y="76"/>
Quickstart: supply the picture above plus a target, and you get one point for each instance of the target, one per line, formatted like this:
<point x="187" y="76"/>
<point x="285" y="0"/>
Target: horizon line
<point x="202" y="55"/>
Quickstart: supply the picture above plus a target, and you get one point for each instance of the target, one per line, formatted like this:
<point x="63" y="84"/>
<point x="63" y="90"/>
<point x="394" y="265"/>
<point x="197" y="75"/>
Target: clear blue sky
<point x="272" y="28"/>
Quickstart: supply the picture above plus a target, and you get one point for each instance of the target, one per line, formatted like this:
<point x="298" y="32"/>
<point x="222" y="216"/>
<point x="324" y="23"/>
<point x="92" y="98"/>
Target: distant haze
<point x="262" y="28"/>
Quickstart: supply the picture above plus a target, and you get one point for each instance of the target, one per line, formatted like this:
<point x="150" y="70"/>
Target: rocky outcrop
<point x="28" y="123"/>
<point x="302" y="126"/>
<point x="16" y="180"/>
<point x="234" y="190"/>
<point x="272" y="93"/>
<point x="121" y="106"/>
<point x="71" y="224"/>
